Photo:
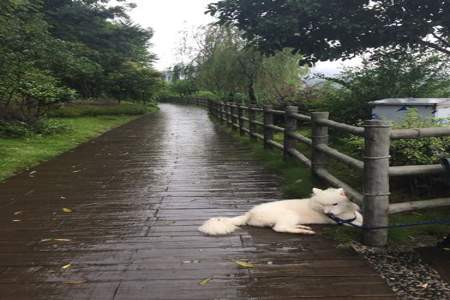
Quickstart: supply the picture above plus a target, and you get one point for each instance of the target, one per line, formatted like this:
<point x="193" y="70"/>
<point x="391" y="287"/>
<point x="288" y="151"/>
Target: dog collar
<point x="340" y="221"/>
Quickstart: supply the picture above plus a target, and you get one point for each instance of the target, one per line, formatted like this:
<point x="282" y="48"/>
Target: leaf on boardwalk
<point x="18" y="213"/>
<point x="67" y="210"/>
<point x="55" y="240"/>
<point x="16" y="220"/>
<point x="205" y="281"/>
<point x="74" y="282"/>
<point x="244" y="264"/>
<point x="65" y="267"/>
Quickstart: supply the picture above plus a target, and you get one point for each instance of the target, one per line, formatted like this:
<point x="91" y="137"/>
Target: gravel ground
<point x="405" y="272"/>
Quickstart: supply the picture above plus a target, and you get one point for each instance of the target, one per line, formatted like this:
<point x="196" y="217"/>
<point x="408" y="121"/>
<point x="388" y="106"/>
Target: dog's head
<point x="333" y="201"/>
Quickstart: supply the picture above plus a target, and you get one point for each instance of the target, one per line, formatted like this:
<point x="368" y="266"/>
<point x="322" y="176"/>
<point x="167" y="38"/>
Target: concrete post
<point x="227" y="113"/>
<point x="233" y="118"/>
<point x="251" y="125"/>
<point x="240" y="120"/>
<point x="221" y="112"/>
<point x="290" y="126"/>
<point x="268" y="120"/>
<point x="376" y="181"/>
<point x="319" y="137"/>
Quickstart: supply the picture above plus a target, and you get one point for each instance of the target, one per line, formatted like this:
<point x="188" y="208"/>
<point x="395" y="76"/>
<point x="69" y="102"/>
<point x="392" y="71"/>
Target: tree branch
<point x="442" y="40"/>
<point x="434" y="46"/>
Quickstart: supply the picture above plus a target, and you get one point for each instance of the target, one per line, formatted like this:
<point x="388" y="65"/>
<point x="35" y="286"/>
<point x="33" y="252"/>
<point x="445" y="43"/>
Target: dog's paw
<point x="304" y="227"/>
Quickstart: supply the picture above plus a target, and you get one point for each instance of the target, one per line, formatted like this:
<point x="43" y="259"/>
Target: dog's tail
<point x="223" y="226"/>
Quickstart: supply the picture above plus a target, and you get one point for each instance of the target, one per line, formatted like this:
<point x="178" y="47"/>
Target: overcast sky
<point x="169" y="18"/>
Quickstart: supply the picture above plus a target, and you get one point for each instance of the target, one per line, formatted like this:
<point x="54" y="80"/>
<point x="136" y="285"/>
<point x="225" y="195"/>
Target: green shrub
<point x="93" y="110"/>
<point x="42" y="127"/>
<point x="206" y="95"/>
<point x="183" y="87"/>
<point x="384" y="75"/>
<point x="51" y="126"/>
<point x="14" y="129"/>
<point x="411" y="151"/>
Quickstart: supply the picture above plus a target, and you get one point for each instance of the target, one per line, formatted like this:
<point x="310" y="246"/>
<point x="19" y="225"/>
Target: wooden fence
<point x="375" y="166"/>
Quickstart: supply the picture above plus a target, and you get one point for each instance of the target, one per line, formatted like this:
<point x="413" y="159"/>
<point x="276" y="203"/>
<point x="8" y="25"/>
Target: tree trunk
<point x="251" y="93"/>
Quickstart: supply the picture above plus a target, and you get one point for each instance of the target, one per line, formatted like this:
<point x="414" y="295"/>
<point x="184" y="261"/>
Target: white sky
<point x="168" y="18"/>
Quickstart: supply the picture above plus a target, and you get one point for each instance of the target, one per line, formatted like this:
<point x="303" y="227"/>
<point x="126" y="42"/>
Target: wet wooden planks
<point x="138" y="194"/>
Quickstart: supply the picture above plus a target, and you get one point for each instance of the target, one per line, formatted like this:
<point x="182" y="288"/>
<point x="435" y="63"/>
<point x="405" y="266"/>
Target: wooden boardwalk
<point x="137" y="195"/>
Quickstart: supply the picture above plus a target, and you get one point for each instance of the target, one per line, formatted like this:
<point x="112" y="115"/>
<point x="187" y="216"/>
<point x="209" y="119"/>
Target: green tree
<point x="27" y="88"/>
<point x="183" y="87"/>
<point x="331" y="29"/>
<point x="385" y="75"/>
<point x="97" y="41"/>
<point x="52" y="50"/>
<point x="227" y="65"/>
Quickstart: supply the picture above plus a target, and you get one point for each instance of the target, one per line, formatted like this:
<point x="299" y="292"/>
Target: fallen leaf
<point x="62" y="198"/>
<point x="76" y="171"/>
<point x="18" y="213"/>
<point x="65" y="267"/>
<point x="17" y="220"/>
<point x="244" y="264"/>
<point x="424" y="286"/>
<point x="75" y="282"/>
<point x="446" y="249"/>
<point x="205" y="281"/>
<point x="62" y="240"/>
<point x="67" y="210"/>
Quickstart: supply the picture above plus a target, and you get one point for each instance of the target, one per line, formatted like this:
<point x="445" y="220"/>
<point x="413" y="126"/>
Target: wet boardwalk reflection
<point x="116" y="218"/>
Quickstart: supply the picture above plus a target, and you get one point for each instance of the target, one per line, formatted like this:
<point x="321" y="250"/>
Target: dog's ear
<point x="316" y="191"/>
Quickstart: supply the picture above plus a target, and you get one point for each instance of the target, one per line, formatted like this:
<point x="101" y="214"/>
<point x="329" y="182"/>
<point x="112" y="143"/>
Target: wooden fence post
<point x="319" y="137"/>
<point x="209" y="105"/>
<point x="251" y="120"/>
<point x="220" y="112"/>
<point x="268" y="120"/>
<point x="233" y="116"/>
<point x="376" y="181"/>
<point x="227" y="113"/>
<point x="290" y="126"/>
<point x="240" y="120"/>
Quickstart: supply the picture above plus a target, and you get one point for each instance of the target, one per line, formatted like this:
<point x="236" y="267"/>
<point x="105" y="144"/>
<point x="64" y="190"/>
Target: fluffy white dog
<point x="288" y="215"/>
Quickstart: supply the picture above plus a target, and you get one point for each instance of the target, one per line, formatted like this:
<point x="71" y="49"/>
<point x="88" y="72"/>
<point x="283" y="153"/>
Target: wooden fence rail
<point x="375" y="166"/>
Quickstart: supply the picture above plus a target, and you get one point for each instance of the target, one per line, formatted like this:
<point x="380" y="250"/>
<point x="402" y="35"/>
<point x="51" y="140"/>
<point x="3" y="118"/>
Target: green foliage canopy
<point x="385" y="75"/>
<point x="55" y="50"/>
<point x="227" y="65"/>
<point x="331" y="29"/>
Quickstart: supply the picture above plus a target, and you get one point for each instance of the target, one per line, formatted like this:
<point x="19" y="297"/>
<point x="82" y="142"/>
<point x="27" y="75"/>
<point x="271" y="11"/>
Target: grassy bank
<point x="75" y="124"/>
<point x="297" y="183"/>
<point x="18" y="154"/>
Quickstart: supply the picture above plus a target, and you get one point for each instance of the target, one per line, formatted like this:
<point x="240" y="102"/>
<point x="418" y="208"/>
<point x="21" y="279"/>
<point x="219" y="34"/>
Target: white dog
<point x="288" y="215"/>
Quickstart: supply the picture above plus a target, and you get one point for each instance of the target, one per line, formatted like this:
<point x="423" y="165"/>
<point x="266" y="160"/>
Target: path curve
<point x="137" y="195"/>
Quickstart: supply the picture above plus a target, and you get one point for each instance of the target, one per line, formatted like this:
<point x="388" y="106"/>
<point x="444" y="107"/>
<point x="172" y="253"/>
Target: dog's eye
<point x="335" y="204"/>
